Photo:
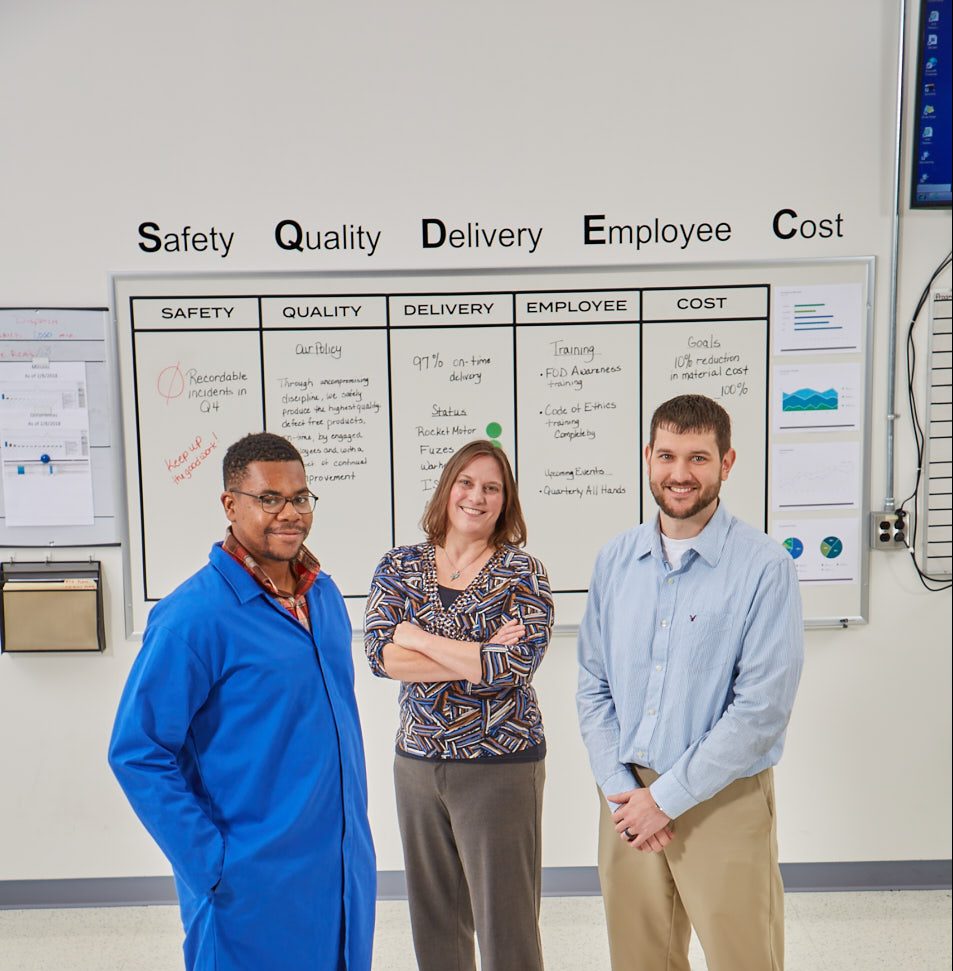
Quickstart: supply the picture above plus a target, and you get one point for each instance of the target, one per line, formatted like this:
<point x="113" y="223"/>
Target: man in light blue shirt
<point x="690" y="652"/>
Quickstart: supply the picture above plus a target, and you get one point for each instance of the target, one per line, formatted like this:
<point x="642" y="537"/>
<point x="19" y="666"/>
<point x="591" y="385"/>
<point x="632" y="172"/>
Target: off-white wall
<point x="516" y="115"/>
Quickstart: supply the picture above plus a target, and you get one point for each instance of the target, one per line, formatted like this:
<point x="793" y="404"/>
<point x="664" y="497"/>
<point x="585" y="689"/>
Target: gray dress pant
<point x="472" y="855"/>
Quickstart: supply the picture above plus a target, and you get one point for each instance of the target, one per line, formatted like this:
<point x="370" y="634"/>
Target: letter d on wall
<point x="425" y="226"/>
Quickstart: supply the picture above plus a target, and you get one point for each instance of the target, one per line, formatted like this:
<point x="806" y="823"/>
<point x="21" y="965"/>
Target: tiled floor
<point x="893" y="931"/>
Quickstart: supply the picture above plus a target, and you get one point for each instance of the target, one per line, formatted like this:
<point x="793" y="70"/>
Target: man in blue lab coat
<point x="238" y="744"/>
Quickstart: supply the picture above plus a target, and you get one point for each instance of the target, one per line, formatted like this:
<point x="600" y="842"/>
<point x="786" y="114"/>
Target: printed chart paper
<point x="818" y="318"/>
<point x="816" y="397"/>
<point x="806" y="475"/>
<point x="823" y="550"/>
<point x="44" y="444"/>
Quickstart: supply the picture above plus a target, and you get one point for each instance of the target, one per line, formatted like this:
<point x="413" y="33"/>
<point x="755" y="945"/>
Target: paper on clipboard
<point x="44" y="444"/>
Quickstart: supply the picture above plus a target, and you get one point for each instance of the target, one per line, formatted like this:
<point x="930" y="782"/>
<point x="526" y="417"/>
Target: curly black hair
<point x="256" y="447"/>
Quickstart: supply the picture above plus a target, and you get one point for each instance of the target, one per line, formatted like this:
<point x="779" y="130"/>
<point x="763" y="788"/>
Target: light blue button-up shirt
<point x="690" y="672"/>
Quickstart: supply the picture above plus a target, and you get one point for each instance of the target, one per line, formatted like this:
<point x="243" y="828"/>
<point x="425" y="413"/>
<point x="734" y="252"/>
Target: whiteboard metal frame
<point x="150" y="279"/>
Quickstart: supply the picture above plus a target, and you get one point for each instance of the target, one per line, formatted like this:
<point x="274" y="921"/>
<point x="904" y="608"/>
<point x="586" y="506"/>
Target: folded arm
<point x="398" y="648"/>
<point x="410" y="666"/>
<point x="510" y="656"/>
<point x="462" y="658"/>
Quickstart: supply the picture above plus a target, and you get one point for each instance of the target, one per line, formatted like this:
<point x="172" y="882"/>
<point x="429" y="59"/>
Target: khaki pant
<point x="472" y="856"/>
<point x="719" y="874"/>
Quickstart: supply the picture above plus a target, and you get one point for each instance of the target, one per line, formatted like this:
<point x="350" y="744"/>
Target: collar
<point x="708" y="544"/>
<point x="243" y="584"/>
<point x="238" y="568"/>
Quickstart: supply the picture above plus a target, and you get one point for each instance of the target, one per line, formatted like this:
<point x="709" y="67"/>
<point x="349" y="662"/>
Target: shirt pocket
<point x="704" y="640"/>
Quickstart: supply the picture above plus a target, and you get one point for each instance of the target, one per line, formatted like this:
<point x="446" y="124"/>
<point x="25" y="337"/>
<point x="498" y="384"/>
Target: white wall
<point x="238" y="115"/>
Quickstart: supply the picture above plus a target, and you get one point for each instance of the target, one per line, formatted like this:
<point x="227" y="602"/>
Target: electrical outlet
<point x="888" y="530"/>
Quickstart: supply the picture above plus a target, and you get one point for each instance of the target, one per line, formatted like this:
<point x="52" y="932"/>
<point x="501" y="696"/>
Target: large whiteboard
<point x="378" y="378"/>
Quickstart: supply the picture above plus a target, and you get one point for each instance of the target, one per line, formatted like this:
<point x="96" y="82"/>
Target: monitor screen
<point x="933" y="132"/>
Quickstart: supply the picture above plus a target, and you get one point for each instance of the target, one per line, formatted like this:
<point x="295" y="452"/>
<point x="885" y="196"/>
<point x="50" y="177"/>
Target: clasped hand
<point x="638" y="814"/>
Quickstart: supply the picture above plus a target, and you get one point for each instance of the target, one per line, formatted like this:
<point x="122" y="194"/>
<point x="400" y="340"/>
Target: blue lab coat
<point x="237" y="742"/>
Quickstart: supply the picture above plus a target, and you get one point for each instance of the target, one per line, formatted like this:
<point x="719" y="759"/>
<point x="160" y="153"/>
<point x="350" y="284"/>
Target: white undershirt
<point x="675" y="549"/>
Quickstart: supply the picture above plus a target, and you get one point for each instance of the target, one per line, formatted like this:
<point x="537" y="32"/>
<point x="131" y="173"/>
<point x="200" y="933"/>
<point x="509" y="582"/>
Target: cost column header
<point x="706" y="303"/>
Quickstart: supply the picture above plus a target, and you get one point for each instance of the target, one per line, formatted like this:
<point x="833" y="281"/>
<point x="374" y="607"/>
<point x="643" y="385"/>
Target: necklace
<point x="455" y="570"/>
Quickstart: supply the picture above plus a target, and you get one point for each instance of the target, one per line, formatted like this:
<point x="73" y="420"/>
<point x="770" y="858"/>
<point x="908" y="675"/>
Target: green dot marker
<point x="493" y="431"/>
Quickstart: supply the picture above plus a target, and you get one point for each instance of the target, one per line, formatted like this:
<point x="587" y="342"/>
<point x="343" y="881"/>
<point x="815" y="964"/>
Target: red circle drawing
<point x="171" y="382"/>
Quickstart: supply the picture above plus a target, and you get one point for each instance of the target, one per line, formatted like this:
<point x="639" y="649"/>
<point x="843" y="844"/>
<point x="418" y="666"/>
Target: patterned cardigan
<point x="498" y="716"/>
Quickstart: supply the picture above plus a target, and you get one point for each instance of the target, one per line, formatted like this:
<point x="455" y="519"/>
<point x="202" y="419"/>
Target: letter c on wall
<point x="775" y="224"/>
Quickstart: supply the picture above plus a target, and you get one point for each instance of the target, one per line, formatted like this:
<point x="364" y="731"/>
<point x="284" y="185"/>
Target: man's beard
<point x="702" y="499"/>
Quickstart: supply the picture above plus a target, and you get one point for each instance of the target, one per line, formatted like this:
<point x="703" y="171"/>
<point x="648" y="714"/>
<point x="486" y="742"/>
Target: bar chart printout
<point x="818" y="318"/>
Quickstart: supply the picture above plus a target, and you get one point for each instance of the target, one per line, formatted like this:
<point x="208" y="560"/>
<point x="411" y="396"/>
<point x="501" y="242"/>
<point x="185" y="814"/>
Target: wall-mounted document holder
<point x="51" y="607"/>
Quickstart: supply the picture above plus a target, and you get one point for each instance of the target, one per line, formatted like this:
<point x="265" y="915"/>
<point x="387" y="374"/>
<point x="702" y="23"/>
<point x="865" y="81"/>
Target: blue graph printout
<point x="817" y="397"/>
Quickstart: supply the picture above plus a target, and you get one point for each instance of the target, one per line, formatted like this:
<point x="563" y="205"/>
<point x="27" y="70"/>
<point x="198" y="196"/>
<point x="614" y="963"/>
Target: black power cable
<point x="931" y="583"/>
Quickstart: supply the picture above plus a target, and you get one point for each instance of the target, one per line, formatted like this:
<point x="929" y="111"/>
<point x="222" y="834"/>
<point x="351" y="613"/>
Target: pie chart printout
<point x="794" y="546"/>
<point x="831" y="547"/>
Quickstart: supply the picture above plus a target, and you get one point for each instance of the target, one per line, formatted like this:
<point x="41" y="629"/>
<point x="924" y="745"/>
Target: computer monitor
<point x="932" y="161"/>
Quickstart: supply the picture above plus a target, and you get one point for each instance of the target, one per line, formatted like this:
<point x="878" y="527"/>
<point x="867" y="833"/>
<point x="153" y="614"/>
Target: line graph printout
<point x="824" y="550"/>
<point x="806" y="475"/>
<point x="821" y="397"/>
<point x="44" y="444"/>
<point x="818" y="318"/>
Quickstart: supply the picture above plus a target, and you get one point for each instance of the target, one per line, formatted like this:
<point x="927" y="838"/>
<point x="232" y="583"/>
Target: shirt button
<point x="641" y="755"/>
<point x="664" y="623"/>
<point x="658" y="667"/>
<point x="670" y="580"/>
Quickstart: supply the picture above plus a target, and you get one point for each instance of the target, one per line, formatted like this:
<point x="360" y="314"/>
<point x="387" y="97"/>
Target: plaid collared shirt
<point x="304" y="565"/>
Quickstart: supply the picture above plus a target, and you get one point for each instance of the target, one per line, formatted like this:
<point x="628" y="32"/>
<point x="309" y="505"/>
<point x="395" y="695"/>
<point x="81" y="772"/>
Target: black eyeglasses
<point x="272" y="503"/>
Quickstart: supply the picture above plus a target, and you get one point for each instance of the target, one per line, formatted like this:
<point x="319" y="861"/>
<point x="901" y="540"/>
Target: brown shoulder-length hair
<point x="510" y="526"/>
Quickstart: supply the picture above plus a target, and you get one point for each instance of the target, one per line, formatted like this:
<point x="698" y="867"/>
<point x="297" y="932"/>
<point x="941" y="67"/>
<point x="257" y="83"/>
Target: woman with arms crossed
<point x="463" y="621"/>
